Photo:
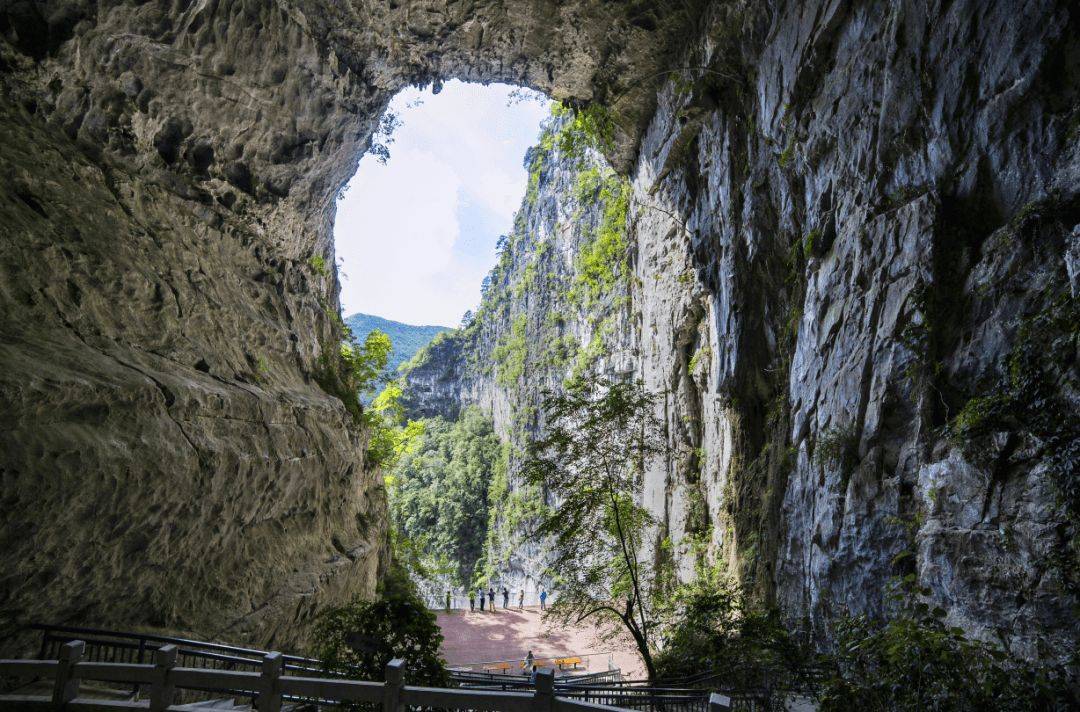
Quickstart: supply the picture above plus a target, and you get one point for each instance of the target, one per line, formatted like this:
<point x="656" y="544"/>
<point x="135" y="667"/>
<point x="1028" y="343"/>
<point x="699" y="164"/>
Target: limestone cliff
<point x="555" y="307"/>
<point x="854" y="236"/>
<point x="169" y="307"/>
<point x="853" y="262"/>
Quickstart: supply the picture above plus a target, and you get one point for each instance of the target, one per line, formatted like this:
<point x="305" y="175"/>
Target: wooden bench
<point x="498" y="667"/>
<point x="564" y="663"/>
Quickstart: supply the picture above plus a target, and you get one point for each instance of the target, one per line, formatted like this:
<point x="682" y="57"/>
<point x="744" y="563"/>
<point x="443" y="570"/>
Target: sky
<point x="415" y="237"/>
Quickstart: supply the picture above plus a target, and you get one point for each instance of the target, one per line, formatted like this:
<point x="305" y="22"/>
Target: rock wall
<point x="878" y="208"/>
<point x="538" y="325"/>
<point x="169" y="305"/>
<point x="854" y="250"/>
<point x="853" y="234"/>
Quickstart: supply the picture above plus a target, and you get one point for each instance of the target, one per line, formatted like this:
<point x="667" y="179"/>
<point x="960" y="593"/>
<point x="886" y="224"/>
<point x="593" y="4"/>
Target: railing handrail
<point x="269" y="687"/>
<point x="166" y="639"/>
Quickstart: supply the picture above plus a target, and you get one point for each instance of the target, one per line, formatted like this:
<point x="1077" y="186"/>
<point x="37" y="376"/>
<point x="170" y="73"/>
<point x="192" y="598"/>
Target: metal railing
<point x="269" y="686"/>
<point x="593" y="688"/>
<point x="119" y="646"/>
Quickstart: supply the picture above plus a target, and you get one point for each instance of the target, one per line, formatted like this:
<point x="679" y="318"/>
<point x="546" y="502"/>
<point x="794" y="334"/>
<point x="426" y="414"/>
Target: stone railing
<point x="163" y="679"/>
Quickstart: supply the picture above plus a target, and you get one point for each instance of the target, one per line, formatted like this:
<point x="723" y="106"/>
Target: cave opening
<point x="417" y="225"/>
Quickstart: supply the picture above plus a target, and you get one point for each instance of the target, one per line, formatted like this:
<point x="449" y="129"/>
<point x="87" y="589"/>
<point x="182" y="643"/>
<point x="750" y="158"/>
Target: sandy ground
<point x="475" y="638"/>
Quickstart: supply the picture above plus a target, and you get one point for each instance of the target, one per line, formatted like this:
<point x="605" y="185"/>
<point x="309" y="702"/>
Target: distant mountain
<point x="407" y="339"/>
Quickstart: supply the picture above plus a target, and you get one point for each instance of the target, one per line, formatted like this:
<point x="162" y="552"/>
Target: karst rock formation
<point x="855" y="256"/>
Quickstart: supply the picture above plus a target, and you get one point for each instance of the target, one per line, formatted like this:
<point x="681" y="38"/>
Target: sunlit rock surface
<point x="168" y="178"/>
<point x="846" y="225"/>
<point x="850" y="218"/>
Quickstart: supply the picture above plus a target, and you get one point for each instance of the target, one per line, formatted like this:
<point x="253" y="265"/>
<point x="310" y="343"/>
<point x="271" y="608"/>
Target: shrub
<point x="360" y="638"/>
<point x="915" y="662"/>
<point x="603" y="260"/>
<point x="366" y="363"/>
<point x="718" y="630"/>
<point x="318" y="265"/>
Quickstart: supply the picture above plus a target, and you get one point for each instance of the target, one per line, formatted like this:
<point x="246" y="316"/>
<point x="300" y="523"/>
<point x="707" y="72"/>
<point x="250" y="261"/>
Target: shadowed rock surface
<point x="853" y="231"/>
<point x="169" y="174"/>
<point x="853" y="238"/>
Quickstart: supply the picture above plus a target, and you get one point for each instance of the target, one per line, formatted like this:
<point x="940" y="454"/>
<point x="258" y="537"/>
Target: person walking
<point x="481" y="592"/>
<point x="521" y="599"/>
<point x="506" y="598"/>
<point x="543" y="599"/>
<point x="447" y="600"/>
<point x="472" y="601"/>
<point x="491" y="598"/>
<point x="530" y="661"/>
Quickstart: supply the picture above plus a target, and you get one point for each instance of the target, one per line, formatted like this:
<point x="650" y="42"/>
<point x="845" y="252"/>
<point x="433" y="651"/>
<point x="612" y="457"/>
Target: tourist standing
<point x="447" y="600"/>
<point x="543" y="599"/>
<point x="506" y="598"/>
<point x="472" y="601"/>
<point x="491" y="598"/>
<point x="521" y="599"/>
<point x="481" y="592"/>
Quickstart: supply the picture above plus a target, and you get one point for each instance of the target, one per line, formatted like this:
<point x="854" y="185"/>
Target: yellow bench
<point x="567" y="662"/>
<point x="497" y="667"/>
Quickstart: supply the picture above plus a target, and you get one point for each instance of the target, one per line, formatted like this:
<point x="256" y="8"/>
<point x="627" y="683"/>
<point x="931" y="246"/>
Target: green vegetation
<point x="584" y="128"/>
<point x="839" y="448"/>
<point x="787" y="154"/>
<point x="318" y="265"/>
<point x="355" y="369"/>
<point x="1028" y="400"/>
<point x="439" y="490"/>
<point x="713" y="626"/>
<point x="509" y="355"/>
<point x="262" y="367"/>
<point x="390" y="436"/>
<point x="360" y="638"/>
<point x="406" y="338"/>
<point x="603" y="260"/>
<point x="810" y="243"/>
<point x="590" y="459"/>
<point x="513" y="510"/>
<point x="915" y="661"/>
<point x="910" y="661"/>
<point x="366" y="362"/>
<point x="701" y="357"/>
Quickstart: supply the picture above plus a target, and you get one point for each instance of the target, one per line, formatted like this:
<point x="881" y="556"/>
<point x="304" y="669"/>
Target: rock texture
<point x="853" y="237"/>
<point x="168" y="181"/>
<point x="537" y="326"/>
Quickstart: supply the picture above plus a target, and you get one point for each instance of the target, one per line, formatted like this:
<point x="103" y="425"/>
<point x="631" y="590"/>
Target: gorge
<point x="842" y="241"/>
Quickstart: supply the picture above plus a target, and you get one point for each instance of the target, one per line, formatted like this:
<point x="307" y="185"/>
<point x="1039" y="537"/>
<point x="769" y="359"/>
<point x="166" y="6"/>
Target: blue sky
<point x="415" y="237"/>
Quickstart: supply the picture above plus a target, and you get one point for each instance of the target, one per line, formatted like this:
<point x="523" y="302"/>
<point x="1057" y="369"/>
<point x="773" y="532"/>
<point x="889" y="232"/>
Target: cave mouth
<point x="441" y="181"/>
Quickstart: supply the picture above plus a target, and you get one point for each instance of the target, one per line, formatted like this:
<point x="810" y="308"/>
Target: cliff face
<point x="169" y="305"/>
<point x="556" y="306"/>
<point x="880" y="221"/>
<point x="168" y="460"/>
<point x="853" y="237"/>
<point x="851" y="268"/>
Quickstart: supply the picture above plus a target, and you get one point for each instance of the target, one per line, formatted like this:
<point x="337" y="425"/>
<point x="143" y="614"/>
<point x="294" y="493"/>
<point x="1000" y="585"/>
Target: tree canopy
<point x="439" y="491"/>
<point x="591" y="459"/>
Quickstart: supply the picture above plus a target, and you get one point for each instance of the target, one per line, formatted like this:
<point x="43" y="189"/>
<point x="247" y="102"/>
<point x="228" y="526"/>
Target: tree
<point x="366" y="363"/>
<point x="439" y="490"/>
<point x="591" y="459"/>
<point x="360" y="638"/>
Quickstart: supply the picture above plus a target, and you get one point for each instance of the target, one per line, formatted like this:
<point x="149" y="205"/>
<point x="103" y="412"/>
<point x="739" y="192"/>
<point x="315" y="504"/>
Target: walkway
<point x="472" y="638"/>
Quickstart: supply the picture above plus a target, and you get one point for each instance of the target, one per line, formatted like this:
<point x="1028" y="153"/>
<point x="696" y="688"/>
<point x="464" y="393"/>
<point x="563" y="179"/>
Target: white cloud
<point x="398" y="234"/>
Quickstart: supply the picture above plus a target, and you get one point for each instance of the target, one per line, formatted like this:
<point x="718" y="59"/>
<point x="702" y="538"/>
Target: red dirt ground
<point x="475" y="638"/>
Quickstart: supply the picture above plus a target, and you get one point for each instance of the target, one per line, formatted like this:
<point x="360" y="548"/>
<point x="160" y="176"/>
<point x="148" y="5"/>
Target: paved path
<point x="472" y="638"/>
